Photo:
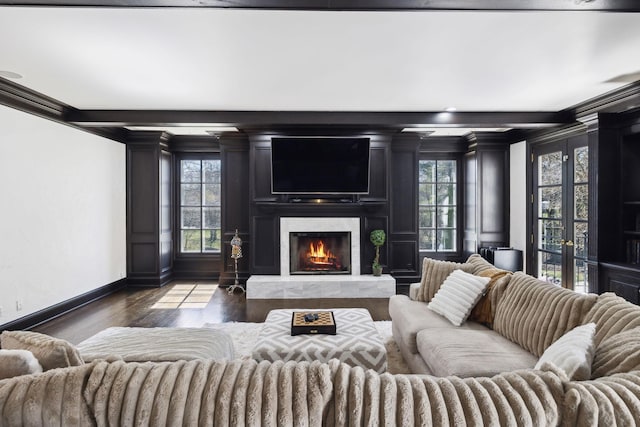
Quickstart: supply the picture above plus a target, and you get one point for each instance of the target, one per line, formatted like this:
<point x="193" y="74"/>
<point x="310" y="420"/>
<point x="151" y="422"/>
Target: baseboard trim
<point x="34" y="319"/>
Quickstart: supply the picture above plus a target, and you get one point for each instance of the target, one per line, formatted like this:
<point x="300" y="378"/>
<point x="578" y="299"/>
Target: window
<point x="437" y="201"/>
<point x="200" y="206"/>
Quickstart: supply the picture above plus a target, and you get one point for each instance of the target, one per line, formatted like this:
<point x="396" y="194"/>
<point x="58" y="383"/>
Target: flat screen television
<point x="319" y="165"/>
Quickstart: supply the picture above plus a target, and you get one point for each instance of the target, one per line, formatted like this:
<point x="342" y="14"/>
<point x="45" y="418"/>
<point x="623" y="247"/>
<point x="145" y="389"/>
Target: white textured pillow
<point x="572" y="352"/>
<point x="458" y="295"/>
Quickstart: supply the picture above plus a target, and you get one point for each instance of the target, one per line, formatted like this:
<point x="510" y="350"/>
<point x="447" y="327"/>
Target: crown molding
<point x="355" y="5"/>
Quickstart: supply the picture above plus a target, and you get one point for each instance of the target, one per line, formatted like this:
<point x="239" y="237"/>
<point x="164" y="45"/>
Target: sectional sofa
<point x="522" y="312"/>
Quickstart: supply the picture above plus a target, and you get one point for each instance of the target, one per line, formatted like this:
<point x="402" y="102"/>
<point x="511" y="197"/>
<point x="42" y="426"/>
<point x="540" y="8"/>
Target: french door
<point x="560" y="213"/>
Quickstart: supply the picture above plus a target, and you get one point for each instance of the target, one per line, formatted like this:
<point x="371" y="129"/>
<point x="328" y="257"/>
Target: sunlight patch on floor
<point x="186" y="296"/>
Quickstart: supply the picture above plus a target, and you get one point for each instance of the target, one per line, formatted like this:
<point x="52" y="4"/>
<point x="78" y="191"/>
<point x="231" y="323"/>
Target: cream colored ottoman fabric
<point x="157" y="344"/>
<point x="356" y="342"/>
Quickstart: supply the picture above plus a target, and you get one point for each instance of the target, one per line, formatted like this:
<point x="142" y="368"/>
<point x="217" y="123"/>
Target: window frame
<point x="178" y="206"/>
<point x="459" y="230"/>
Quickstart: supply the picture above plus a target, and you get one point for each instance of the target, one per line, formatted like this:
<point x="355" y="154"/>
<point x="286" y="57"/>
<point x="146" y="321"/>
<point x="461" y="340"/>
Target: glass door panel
<point x="561" y="201"/>
<point x="549" y="217"/>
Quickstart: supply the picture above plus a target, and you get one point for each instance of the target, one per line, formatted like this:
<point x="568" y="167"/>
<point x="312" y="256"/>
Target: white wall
<point x="62" y="214"/>
<point x="518" y="198"/>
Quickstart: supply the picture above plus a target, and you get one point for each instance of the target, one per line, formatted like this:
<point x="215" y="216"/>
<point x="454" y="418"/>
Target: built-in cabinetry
<point x="619" y="204"/>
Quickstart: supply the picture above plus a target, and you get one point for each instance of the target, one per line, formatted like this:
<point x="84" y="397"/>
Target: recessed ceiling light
<point x="9" y="74"/>
<point x="451" y="109"/>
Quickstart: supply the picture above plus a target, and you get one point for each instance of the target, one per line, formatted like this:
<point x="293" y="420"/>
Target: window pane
<point x="550" y="202"/>
<point x="190" y="240"/>
<point x="190" y="217"/>
<point x="427" y="217"/>
<point x="211" y="170"/>
<point x="190" y="194"/>
<point x="550" y="235"/>
<point x="426" y="194"/>
<point x="190" y="171"/>
<point x="446" y="171"/>
<point x="211" y="217"/>
<point x="211" y="240"/>
<point x="211" y="195"/>
<point x="581" y="202"/>
<point x="580" y="239"/>
<point x="581" y="276"/>
<point x="446" y="240"/>
<point x="550" y="168"/>
<point x="446" y="194"/>
<point x="446" y="217"/>
<point x="427" y="239"/>
<point x="550" y="267"/>
<point x="581" y="164"/>
<point x="427" y="171"/>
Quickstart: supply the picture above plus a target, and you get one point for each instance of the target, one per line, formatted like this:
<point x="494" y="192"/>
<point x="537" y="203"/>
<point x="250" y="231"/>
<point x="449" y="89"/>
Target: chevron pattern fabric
<point x="356" y="343"/>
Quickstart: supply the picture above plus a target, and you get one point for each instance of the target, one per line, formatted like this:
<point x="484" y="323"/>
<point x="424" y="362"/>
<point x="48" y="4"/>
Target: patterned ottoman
<point x="356" y="342"/>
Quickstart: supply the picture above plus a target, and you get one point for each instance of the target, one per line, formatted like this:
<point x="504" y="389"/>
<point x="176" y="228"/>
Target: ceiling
<point x="255" y="60"/>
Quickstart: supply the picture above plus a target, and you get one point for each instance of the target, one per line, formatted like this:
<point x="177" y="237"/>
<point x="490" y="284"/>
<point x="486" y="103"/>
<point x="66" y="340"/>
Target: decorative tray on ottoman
<point x="313" y="322"/>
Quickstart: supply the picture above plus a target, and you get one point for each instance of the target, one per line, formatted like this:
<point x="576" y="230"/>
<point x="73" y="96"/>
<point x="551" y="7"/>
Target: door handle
<point x="567" y="242"/>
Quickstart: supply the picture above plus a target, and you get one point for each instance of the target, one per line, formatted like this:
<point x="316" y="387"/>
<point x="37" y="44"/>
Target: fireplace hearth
<point x="320" y="252"/>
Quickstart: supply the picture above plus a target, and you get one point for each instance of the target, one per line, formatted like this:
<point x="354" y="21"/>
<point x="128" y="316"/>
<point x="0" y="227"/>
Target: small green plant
<point x="378" y="238"/>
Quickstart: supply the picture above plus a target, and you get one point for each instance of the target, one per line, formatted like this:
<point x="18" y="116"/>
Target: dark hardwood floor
<point x="134" y="307"/>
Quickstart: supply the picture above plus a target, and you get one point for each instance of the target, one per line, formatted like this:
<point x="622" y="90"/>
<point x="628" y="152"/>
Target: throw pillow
<point x="478" y="264"/>
<point x="484" y="310"/>
<point x="14" y="363"/>
<point x="457" y="296"/>
<point x="434" y="272"/>
<point x="51" y="352"/>
<point x="572" y="352"/>
<point x="617" y="354"/>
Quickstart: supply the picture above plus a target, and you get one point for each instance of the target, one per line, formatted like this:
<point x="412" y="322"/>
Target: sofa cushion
<point x="534" y="314"/>
<point x="468" y="353"/>
<point x="14" y="363"/>
<point x="573" y="352"/>
<point x="477" y="264"/>
<point x="434" y="272"/>
<point x="618" y="353"/>
<point x="612" y="314"/>
<point x="410" y="317"/>
<point x="458" y="295"/>
<point x="51" y="352"/>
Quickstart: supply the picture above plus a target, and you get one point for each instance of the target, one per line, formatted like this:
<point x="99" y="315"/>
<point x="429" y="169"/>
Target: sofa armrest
<point x="413" y="290"/>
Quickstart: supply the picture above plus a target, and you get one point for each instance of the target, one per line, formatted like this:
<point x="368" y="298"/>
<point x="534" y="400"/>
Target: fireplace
<point x="320" y="252"/>
<point x="346" y="246"/>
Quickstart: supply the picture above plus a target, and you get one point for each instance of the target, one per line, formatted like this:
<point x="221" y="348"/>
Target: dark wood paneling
<point x="404" y="259"/>
<point x="235" y="205"/>
<point x="377" y="173"/>
<point x="265" y="256"/>
<point x="143" y="183"/>
<point x="621" y="279"/>
<point x="470" y="238"/>
<point x="262" y="174"/>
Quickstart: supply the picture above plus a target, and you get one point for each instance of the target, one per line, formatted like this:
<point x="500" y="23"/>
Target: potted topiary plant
<point x="377" y="237"/>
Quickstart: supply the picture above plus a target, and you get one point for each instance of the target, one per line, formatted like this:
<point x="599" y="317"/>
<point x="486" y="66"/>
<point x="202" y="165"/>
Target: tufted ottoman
<point x="157" y="344"/>
<point x="356" y="342"/>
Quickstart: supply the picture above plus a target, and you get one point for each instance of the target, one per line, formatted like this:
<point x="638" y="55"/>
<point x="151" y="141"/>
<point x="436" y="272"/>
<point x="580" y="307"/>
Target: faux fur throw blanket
<point x="245" y="392"/>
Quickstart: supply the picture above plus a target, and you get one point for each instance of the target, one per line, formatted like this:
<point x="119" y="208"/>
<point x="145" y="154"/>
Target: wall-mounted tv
<point x="319" y="165"/>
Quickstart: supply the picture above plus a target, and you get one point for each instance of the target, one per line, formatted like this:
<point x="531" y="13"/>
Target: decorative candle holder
<point x="236" y="253"/>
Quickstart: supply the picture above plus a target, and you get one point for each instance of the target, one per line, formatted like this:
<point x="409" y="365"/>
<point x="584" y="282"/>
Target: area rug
<point x="244" y="336"/>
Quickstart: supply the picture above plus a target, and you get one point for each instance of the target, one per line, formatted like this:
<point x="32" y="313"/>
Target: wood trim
<point x="340" y="5"/>
<point x="269" y="119"/>
<point x="619" y="100"/>
<point x="34" y="319"/>
<point x="29" y="101"/>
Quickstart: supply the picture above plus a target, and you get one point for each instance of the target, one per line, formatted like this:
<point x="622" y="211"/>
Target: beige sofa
<point x="527" y="314"/>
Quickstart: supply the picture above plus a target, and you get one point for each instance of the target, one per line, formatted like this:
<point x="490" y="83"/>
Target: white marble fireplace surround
<point x="287" y="286"/>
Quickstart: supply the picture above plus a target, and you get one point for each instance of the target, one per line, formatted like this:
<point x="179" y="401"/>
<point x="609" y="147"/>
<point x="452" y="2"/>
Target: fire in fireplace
<point x="320" y="253"/>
